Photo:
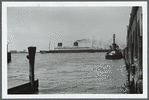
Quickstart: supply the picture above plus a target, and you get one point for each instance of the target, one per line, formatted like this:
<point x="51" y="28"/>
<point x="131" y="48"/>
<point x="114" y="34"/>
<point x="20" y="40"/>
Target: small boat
<point x="114" y="53"/>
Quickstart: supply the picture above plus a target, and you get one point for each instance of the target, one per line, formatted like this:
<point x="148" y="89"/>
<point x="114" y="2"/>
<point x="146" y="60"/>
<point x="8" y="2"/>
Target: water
<point x="70" y="73"/>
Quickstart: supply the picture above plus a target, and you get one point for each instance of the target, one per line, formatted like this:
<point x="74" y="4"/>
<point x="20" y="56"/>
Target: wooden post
<point x="31" y="57"/>
<point x="8" y="57"/>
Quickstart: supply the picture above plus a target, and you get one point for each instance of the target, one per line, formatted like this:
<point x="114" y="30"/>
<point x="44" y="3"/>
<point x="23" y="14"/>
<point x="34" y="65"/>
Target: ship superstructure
<point x="74" y="47"/>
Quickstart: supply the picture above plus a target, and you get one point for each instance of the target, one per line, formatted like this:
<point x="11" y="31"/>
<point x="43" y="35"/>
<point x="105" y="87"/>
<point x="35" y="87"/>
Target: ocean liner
<point x="74" y="49"/>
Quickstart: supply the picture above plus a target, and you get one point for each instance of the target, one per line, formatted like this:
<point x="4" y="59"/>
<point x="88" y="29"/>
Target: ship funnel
<point x="114" y="45"/>
<point x="59" y="44"/>
<point x="75" y="44"/>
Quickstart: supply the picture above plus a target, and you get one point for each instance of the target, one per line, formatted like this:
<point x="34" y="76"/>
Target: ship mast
<point x="114" y="45"/>
<point x="113" y="38"/>
<point x="49" y="44"/>
<point x="49" y="41"/>
<point x="93" y="41"/>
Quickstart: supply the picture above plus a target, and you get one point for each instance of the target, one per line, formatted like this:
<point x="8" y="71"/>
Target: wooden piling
<point x="8" y="57"/>
<point x="31" y="57"/>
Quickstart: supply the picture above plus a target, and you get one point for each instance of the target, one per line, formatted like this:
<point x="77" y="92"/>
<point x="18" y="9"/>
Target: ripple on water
<point x="71" y="73"/>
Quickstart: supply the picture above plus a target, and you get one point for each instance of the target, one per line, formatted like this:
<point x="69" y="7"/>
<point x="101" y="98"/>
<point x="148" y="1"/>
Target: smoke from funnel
<point x="83" y="41"/>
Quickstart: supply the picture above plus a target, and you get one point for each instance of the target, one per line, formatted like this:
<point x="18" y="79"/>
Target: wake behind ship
<point x="74" y="49"/>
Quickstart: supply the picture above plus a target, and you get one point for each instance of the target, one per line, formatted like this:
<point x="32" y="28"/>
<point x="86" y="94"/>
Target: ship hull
<point x="116" y="55"/>
<point x="73" y="51"/>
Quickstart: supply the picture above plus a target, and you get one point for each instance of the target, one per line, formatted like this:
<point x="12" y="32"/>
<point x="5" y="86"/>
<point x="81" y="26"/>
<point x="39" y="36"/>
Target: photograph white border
<point x="72" y="4"/>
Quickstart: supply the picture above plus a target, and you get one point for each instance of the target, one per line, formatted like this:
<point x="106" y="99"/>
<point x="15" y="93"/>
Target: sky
<point x="44" y="26"/>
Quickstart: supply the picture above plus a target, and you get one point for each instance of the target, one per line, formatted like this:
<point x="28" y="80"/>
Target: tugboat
<point x="114" y="53"/>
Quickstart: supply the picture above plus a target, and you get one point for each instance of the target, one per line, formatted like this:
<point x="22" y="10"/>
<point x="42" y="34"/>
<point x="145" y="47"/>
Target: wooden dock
<point x="26" y="88"/>
<point x="32" y="86"/>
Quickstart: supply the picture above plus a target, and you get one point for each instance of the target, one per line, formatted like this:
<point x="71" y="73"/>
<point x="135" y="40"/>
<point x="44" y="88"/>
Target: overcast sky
<point x="39" y="26"/>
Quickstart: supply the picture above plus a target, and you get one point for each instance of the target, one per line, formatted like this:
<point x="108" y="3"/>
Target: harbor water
<point x="70" y="73"/>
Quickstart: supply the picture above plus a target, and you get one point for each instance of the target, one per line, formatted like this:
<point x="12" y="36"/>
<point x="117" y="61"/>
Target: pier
<point x="32" y="86"/>
<point x="133" y="52"/>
